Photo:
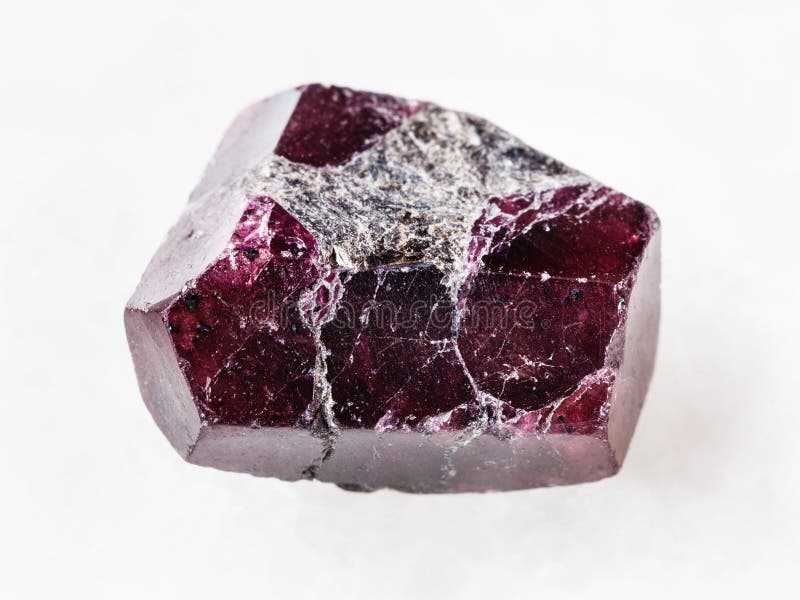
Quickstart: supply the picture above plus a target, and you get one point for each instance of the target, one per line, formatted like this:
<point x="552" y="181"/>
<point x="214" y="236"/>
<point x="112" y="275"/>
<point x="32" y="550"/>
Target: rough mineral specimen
<point x="383" y="293"/>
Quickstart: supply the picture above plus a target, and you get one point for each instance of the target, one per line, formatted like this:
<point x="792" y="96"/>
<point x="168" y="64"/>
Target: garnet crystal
<point x="376" y="292"/>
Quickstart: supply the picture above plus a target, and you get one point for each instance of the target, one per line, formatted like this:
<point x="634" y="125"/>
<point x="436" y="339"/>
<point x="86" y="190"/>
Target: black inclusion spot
<point x="191" y="301"/>
<point x="250" y="253"/>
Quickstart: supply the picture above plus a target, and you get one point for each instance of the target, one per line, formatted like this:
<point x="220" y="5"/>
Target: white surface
<point x="107" y="116"/>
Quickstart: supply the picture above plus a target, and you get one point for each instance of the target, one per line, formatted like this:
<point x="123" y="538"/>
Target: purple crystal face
<point x="229" y="331"/>
<point x="330" y="124"/>
<point x="382" y="293"/>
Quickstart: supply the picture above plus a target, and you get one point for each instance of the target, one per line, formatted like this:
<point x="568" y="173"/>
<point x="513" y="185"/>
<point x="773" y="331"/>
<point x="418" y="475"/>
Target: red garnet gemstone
<point x="376" y="292"/>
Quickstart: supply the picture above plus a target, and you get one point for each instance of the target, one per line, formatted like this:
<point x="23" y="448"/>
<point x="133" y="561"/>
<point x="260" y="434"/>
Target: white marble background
<point x="108" y="112"/>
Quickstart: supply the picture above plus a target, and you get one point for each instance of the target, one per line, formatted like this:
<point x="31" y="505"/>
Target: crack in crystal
<point x="320" y="410"/>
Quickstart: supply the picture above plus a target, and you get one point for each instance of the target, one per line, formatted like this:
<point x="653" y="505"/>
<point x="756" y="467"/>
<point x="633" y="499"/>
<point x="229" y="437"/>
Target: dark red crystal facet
<point x="330" y="124"/>
<point x="382" y="293"/>
<point x="382" y="365"/>
<point x="227" y="329"/>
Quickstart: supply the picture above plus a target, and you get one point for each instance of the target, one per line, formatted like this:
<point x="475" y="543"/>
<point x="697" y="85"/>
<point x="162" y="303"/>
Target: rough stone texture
<point x="384" y="293"/>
